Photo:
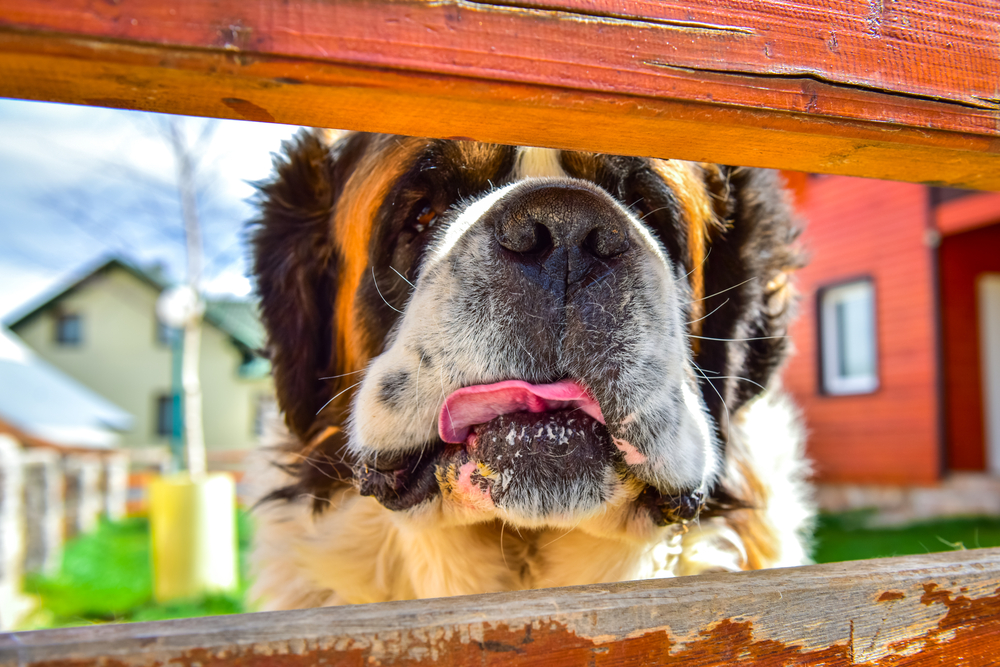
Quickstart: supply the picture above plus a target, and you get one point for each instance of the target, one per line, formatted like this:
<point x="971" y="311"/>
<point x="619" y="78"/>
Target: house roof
<point x="235" y="317"/>
<point x="239" y="318"/>
<point x="45" y="403"/>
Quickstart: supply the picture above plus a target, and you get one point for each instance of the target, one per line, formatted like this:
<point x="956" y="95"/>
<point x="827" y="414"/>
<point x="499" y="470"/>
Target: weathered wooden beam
<point x="937" y="609"/>
<point x="902" y="90"/>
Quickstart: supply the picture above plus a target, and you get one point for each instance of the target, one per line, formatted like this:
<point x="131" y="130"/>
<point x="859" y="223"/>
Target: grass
<point x="848" y="536"/>
<point x="106" y="577"/>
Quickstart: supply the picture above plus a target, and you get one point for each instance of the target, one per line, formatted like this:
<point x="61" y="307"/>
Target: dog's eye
<point x="425" y="217"/>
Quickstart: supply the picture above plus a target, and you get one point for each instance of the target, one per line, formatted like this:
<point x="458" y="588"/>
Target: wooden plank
<point x="937" y="609"/>
<point x="901" y="90"/>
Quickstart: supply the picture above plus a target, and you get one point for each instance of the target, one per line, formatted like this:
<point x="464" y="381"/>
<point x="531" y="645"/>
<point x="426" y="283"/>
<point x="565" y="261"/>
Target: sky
<point x="79" y="184"/>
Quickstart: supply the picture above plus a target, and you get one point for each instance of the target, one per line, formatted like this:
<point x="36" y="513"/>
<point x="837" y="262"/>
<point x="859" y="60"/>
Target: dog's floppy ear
<point x="747" y="287"/>
<point x="295" y="262"/>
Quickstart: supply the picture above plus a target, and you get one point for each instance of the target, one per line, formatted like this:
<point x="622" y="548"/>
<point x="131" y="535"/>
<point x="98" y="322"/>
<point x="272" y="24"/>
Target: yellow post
<point x="193" y="525"/>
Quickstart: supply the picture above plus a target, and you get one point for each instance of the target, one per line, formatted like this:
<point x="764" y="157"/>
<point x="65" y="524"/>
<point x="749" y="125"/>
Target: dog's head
<point x="518" y="333"/>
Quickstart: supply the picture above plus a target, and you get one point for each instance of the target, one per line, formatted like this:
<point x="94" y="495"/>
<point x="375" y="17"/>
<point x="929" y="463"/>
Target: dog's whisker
<point x="733" y="340"/>
<point x="380" y="294"/>
<point x="735" y="377"/>
<point x="417" y="383"/>
<point x="710" y="314"/>
<point x="308" y="460"/>
<point x="401" y="276"/>
<point x="563" y="535"/>
<point x="334" y="377"/>
<point x="444" y="395"/>
<point x="320" y="499"/>
<point x="725" y="407"/>
<point x="702" y="263"/>
<point x="337" y="395"/>
<point x="655" y="210"/>
<point x="503" y="554"/>
<point x="521" y="345"/>
<point x="721" y="291"/>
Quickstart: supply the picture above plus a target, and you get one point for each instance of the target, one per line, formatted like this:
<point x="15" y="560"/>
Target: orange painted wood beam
<point x="935" y="609"/>
<point x="904" y="90"/>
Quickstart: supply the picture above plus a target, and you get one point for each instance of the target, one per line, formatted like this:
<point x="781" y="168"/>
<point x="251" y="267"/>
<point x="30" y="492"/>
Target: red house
<point x="897" y="367"/>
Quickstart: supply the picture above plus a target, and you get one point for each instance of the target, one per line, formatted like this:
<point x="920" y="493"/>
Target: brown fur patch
<point x="750" y="524"/>
<point x="362" y="196"/>
<point x="480" y="161"/>
<point x="699" y="217"/>
<point x="581" y="165"/>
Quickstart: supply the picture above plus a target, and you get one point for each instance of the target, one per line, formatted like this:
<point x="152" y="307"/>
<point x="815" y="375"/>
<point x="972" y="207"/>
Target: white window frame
<point x="832" y="381"/>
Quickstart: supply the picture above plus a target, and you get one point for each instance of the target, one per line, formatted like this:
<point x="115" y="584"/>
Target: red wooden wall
<point x="859" y="227"/>
<point x="963" y="257"/>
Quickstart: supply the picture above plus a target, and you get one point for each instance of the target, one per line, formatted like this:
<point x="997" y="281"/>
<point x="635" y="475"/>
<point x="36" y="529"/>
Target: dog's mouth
<point x="538" y="451"/>
<point x="510" y="444"/>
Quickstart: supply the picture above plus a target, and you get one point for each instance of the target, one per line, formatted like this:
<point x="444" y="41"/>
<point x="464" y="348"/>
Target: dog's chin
<point x="535" y="467"/>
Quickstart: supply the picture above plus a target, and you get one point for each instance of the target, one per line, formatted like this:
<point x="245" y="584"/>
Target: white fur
<point x="357" y="551"/>
<point x="538" y="163"/>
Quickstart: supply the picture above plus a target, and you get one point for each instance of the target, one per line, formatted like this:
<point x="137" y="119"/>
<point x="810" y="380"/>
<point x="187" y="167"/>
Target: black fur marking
<point x="668" y="509"/>
<point x="426" y="358"/>
<point x="393" y="389"/>
<point x="408" y="483"/>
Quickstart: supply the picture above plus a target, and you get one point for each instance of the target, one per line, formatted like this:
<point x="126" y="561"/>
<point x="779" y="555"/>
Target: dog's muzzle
<point x="557" y="335"/>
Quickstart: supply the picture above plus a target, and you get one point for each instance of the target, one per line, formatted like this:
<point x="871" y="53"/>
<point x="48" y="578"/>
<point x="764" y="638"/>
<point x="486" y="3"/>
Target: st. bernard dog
<point x="505" y="368"/>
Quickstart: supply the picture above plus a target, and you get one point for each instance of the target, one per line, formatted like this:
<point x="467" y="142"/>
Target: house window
<point x="166" y="335"/>
<point x="849" y="363"/>
<point x="69" y="329"/>
<point x="265" y="411"/>
<point x="165" y="414"/>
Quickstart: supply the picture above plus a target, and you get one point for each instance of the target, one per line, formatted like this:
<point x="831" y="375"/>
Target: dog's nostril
<point x="607" y="241"/>
<point x="524" y="236"/>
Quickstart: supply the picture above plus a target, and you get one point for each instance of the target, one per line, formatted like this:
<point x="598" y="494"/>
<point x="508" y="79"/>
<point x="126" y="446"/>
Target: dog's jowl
<point x="503" y="368"/>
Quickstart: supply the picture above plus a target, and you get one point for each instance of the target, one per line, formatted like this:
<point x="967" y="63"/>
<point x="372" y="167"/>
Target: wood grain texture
<point x="937" y="609"/>
<point x="904" y="90"/>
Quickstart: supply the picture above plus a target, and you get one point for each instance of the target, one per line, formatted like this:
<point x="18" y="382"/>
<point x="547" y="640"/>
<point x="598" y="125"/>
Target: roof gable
<point x="239" y="319"/>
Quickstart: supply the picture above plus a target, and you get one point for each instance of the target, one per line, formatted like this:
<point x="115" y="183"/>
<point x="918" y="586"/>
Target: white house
<point x="103" y="331"/>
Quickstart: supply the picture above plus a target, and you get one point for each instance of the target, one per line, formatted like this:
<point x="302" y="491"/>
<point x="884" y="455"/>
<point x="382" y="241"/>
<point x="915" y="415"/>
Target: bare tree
<point x="145" y="200"/>
<point x="184" y="155"/>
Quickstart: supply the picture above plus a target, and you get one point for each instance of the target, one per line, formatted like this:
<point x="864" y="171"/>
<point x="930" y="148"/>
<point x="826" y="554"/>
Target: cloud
<point x="77" y="183"/>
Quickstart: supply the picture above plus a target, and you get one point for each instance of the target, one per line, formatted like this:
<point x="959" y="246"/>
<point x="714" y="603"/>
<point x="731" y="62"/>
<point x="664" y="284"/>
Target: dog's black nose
<point x="537" y="219"/>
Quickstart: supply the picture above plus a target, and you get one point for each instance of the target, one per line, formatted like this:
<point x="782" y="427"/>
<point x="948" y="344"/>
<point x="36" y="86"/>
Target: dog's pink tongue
<point x="481" y="403"/>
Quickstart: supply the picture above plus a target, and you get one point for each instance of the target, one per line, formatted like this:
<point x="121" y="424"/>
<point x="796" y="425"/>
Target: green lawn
<point x="847" y="536"/>
<point x="105" y="575"/>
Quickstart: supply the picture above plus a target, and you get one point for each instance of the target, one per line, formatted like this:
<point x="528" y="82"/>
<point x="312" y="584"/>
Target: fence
<point x="47" y="496"/>
<point x="903" y="90"/>
<point x="939" y="609"/>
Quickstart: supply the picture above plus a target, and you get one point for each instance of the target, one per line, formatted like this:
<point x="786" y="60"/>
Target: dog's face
<point x="518" y="333"/>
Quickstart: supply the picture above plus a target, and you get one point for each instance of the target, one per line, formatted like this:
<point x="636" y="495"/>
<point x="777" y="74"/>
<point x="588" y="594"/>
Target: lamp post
<point x="181" y="309"/>
<point x="192" y="514"/>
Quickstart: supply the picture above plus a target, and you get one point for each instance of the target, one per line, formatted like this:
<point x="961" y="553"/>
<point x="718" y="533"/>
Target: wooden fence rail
<point x="937" y="609"/>
<point x="900" y="89"/>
